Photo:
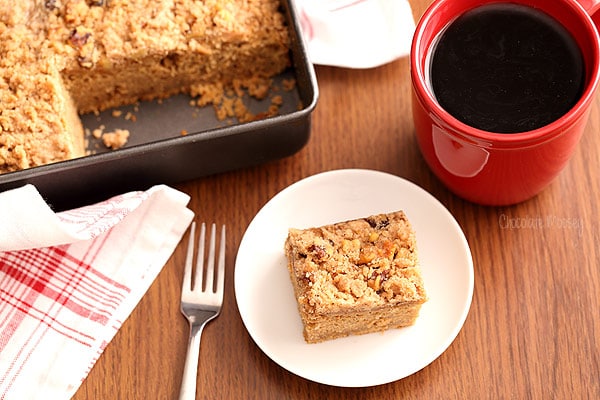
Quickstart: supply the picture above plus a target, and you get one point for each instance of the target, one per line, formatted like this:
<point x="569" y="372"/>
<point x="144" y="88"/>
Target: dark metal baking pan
<point x="157" y="152"/>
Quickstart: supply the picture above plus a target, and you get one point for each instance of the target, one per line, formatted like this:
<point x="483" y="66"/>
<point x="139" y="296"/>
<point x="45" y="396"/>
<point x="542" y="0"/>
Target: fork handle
<point x="190" y="370"/>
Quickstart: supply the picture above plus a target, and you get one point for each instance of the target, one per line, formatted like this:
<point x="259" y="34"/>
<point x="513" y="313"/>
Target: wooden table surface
<point x="533" y="330"/>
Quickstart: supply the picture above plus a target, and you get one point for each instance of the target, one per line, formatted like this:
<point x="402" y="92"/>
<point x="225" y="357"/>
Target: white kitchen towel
<point x="356" y="33"/>
<point x="69" y="280"/>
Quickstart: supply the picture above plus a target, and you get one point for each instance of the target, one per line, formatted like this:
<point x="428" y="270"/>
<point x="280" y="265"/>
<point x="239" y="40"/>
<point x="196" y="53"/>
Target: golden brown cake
<point x="38" y="120"/>
<point x="63" y="57"/>
<point x="355" y="277"/>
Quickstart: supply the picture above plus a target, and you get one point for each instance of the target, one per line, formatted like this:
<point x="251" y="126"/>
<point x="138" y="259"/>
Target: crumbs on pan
<point x="227" y="103"/>
<point x="112" y="140"/>
<point x="289" y="84"/>
<point x="115" y="139"/>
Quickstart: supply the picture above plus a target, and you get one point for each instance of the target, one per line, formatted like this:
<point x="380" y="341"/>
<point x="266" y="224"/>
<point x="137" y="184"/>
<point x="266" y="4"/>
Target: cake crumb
<point x="116" y="139"/>
<point x="130" y="117"/>
<point x="289" y="84"/>
<point x="97" y="133"/>
<point x="277" y="100"/>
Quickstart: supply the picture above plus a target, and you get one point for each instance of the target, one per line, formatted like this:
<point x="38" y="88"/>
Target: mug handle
<point x="458" y="157"/>
<point x="592" y="7"/>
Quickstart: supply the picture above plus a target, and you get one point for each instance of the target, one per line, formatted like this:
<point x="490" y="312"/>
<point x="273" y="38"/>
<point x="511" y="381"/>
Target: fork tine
<point x="210" y="268"/>
<point x="221" y="265"/>
<point x="187" y="272"/>
<point x="199" y="272"/>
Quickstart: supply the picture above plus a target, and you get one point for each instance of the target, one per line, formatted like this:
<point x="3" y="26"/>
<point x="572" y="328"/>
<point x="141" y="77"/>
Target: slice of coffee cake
<point x="355" y="277"/>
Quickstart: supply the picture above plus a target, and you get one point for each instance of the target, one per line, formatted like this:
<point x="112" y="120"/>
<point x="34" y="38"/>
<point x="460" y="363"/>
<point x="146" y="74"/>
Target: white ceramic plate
<point x="265" y="297"/>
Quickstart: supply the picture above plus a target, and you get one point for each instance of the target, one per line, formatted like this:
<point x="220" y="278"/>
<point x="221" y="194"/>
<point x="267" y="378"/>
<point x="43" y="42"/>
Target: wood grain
<point x="533" y="331"/>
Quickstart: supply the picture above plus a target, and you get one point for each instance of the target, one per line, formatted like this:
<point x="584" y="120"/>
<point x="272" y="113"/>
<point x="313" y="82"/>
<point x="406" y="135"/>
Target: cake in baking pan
<point x="61" y="58"/>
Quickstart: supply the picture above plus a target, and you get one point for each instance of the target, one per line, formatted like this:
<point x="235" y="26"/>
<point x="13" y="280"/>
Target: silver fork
<point x="201" y="300"/>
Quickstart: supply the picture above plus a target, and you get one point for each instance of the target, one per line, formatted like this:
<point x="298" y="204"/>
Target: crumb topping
<point x="370" y="262"/>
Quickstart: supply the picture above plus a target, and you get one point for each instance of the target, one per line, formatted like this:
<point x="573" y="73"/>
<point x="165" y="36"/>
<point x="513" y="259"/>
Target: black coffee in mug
<point x="506" y="68"/>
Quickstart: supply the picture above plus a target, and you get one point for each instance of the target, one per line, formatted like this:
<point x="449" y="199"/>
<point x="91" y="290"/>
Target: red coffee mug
<point x="493" y="168"/>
